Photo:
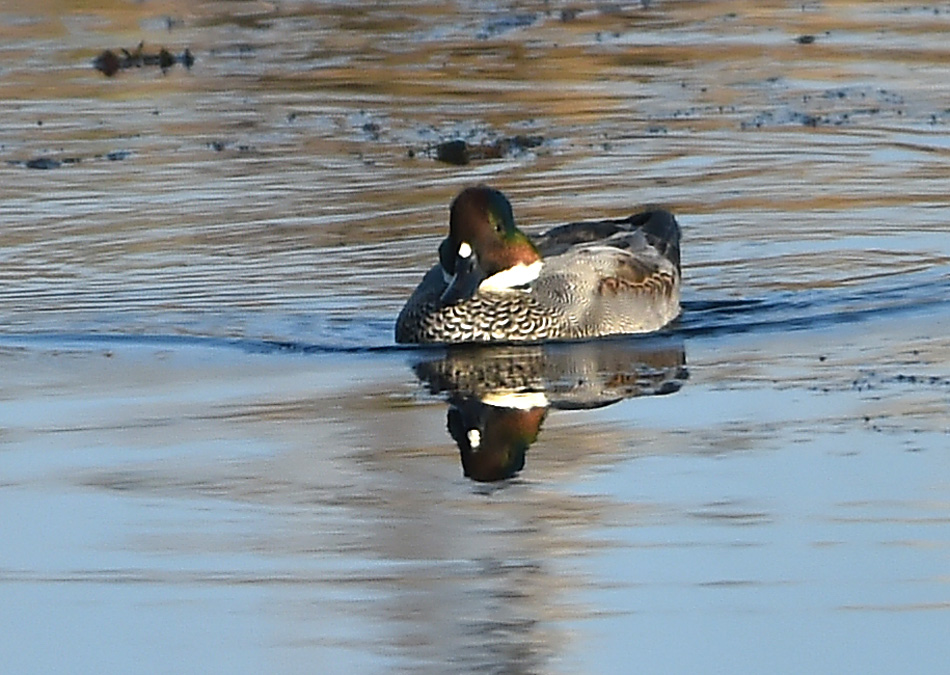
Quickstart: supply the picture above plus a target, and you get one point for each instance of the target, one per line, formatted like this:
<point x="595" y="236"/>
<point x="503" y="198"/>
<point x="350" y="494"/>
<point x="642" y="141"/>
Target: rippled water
<point x="213" y="457"/>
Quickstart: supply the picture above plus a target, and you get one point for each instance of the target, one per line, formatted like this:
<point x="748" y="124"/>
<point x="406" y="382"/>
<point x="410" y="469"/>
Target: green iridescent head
<point x="481" y="217"/>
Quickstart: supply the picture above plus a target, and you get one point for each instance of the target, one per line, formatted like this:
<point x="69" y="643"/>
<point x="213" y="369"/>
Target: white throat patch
<point x="506" y="280"/>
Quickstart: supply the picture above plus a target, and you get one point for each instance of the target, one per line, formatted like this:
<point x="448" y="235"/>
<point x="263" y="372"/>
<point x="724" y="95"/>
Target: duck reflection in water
<point x="500" y="395"/>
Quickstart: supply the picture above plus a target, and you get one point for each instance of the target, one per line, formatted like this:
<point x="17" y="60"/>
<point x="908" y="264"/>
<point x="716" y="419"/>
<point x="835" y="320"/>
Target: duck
<point x="583" y="280"/>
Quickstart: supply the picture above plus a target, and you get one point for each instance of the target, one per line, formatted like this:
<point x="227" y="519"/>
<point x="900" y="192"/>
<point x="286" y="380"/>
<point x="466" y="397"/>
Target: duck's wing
<point x="613" y="276"/>
<point x="620" y="290"/>
<point x="639" y="270"/>
<point x="654" y="228"/>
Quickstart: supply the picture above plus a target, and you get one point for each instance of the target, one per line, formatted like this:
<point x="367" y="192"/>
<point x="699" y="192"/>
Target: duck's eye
<point x="497" y="222"/>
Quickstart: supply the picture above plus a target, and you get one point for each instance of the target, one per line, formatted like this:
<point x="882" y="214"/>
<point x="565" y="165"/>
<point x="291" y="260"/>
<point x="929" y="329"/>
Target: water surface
<point x="213" y="458"/>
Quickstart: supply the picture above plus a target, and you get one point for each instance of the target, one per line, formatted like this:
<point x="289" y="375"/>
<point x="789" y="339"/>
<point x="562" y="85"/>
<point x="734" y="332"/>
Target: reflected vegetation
<point x="499" y="396"/>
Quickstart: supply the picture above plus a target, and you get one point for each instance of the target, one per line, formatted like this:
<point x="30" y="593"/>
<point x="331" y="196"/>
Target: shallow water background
<point x="213" y="459"/>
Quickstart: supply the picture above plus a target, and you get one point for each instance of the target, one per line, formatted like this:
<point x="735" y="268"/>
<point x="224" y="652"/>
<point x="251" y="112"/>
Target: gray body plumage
<point x="598" y="278"/>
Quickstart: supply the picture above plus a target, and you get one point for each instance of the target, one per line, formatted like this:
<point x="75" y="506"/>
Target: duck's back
<point x="658" y="227"/>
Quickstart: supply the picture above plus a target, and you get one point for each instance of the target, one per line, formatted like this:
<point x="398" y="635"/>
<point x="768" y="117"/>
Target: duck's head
<point x="485" y="251"/>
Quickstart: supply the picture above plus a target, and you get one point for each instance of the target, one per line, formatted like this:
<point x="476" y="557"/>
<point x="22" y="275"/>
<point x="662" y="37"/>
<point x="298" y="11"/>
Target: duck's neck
<point x="511" y="278"/>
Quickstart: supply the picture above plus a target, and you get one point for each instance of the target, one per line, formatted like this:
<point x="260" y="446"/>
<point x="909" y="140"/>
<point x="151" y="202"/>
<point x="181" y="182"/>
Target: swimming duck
<point x="582" y="280"/>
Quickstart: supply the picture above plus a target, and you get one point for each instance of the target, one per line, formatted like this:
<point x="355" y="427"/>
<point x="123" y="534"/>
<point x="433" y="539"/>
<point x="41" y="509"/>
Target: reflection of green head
<point x="493" y="441"/>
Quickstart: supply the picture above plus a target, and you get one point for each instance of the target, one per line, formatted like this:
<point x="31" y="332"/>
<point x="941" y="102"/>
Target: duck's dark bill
<point x="464" y="284"/>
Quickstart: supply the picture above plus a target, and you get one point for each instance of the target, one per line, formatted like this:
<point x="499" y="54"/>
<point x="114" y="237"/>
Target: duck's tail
<point x="661" y="231"/>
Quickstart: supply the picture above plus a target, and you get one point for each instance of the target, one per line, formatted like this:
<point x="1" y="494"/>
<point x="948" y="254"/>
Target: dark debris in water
<point x="220" y="146"/>
<point x="872" y="380"/>
<point x="47" y="162"/>
<point x="460" y="152"/>
<point x="833" y="107"/>
<point x="505" y="23"/>
<point x="109" y="62"/>
<point x="372" y="129"/>
<point x="569" y="14"/>
<point x="869" y="381"/>
<point x="43" y="163"/>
